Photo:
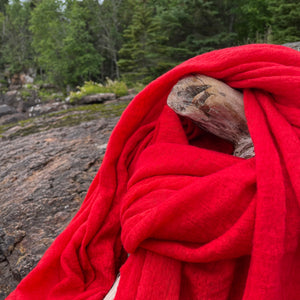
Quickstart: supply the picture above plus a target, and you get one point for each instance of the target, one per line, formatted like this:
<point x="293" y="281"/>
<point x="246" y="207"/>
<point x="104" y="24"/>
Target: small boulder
<point x="6" y="110"/>
<point x="13" y="118"/>
<point x="294" y="45"/>
<point x="127" y="97"/>
<point x="11" y="98"/>
<point x="42" y="109"/>
<point x="21" y="100"/>
<point x="96" y="98"/>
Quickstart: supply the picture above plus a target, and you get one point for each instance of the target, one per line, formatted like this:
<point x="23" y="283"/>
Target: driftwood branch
<point x="112" y="292"/>
<point x="215" y="107"/>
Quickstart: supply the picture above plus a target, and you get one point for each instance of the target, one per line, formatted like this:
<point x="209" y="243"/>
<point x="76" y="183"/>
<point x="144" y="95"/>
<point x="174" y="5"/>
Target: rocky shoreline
<point x="47" y="163"/>
<point x="23" y="102"/>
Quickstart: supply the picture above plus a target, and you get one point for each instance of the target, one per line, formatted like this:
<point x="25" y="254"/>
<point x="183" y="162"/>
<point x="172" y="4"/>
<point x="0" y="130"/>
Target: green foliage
<point x="117" y="87"/>
<point x="268" y="21"/>
<point x="142" y="50"/>
<point x="110" y="19"/>
<point x="29" y="86"/>
<point x="89" y="88"/>
<point x="63" y="43"/>
<point x="48" y="32"/>
<point x="252" y="20"/>
<point x="25" y="93"/>
<point x="285" y="20"/>
<point x="165" y="33"/>
<point x="46" y="95"/>
<point x="137" y="87"/>
<point x="3" y="4"/>
<point x="80" y="56"/>
<point x="16" y="48"/>
<point x="69" y="42"/>
<point x="195" y="28"/>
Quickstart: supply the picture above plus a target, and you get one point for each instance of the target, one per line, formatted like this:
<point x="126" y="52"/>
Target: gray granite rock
<point x="127" y="97"/>
<point x="43" y="180"/>
<point x="41" y="109"/>
<point x="294" y="45"/>
<point x="96" y="98"/>
<point x="12" y="118"/>
<point x="6" y="110"/>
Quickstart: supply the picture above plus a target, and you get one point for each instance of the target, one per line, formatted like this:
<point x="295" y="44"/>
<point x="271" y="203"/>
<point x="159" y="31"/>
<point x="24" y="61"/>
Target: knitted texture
<point x="198" y="222"/>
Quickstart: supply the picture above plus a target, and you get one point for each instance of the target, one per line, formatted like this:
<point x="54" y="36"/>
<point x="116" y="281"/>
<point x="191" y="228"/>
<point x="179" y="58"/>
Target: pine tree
<point x="16" y="50"/>
<point x="251" y="20"/>
<point x="285" y="22"/>
<point x="3" y="4"/>
<point x="192" y="27"/>
<point x="142" y="49"/>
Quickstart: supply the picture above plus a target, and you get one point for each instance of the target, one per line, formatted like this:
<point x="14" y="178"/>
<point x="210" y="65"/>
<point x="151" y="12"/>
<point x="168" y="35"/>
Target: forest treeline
<point x="69" y="42"/>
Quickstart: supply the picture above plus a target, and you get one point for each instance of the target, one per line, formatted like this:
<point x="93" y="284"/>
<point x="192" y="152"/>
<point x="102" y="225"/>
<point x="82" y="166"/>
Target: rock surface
<point x="294" y="45"/>
<point x="21" y="103"/>
<point x="40" y="100"/>
<point x="6" y="110"/>
<point x="12" y="118"/>
<point x="43" y="180"/>
<point x="41" y="109"/>
<point x="97" y="98"/>
<point x="127" y="97"/>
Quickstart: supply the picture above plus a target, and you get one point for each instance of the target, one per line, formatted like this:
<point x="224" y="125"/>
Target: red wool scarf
<point x="198" y="222"/>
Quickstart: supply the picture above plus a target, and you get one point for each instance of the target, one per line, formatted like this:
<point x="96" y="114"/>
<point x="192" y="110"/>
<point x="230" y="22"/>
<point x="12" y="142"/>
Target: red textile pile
<point x="198" y="222"/>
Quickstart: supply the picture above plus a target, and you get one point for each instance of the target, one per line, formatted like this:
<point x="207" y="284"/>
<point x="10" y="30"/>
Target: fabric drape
<point x="197" y="222"/>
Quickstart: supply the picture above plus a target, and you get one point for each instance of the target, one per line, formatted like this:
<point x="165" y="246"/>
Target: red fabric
<point x="198" y="223"/>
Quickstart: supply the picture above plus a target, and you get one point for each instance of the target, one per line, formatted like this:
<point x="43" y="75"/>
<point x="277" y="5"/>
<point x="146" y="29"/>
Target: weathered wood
<point x="215" y="107"/>
<point x="112" y="292"/>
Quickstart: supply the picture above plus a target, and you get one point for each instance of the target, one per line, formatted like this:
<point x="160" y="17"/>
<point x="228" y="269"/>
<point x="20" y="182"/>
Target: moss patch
<point x="69" y="117"/>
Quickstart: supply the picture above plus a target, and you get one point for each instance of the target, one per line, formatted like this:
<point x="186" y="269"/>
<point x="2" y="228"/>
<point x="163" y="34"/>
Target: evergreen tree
<point x="142" y="49"/>
<point x="251" y="20"/>
<point x="3" y="4"/>
<point x="63" y="41"/>
<point x="193" y="27"/>
<point x="72" y="41"/>
<point x="16" y="51"/>
<point x="80" y="56"/>
<point x="285" y="20"/>
<point x="48" y="29"/>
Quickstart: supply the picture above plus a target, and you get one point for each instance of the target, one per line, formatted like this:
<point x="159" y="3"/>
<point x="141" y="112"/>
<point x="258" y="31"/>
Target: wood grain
<point x="215" y="107"/>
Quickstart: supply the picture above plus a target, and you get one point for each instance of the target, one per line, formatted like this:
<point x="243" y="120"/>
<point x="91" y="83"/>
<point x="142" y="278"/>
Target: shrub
<point x="137" y="87"/>
<point x="28" y="86"/>
<point x="26" y="93"/>
<point x="89" y="88"/>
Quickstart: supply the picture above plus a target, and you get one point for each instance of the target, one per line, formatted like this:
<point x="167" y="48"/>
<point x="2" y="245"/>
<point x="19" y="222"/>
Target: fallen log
<point x="215" y="107"/>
